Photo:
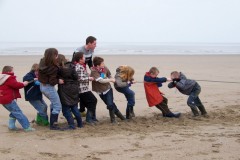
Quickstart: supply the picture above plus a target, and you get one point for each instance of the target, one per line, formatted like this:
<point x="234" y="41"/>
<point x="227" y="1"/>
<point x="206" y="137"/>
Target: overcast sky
<point x="209" y="21"/>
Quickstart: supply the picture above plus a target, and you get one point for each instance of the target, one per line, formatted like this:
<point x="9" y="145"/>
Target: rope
<point x="218" y="81"/>
<point x="202" y="81"/>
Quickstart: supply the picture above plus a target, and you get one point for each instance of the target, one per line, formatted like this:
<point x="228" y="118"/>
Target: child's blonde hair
<point x="175" y="74"/>
<point x="153" y="70"/>
<point x="126" y="73"/>
<point x="35" y="67"/>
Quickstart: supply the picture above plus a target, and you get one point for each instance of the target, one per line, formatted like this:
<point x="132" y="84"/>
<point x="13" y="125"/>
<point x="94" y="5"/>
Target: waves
<point x="110" y="48"/>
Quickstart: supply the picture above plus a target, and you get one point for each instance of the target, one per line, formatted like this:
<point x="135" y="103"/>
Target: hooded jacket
<point x="32" y="90"/>
<point x="9" y="88"/>
<point x="184" y="85"/>
<point x="119" y="82"/>
<point x="153" y="94"/>
<point x="68" y="92"/>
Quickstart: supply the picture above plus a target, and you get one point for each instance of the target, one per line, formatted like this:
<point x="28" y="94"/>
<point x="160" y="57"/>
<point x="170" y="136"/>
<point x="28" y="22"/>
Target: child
<point x="154" y="95"/>
<point x="9" y="92"/>
<point x="87" y="98"/>
<point x="48" y="78"/>
<point x="188" y="87"/>
<point x="68" y="92"/>
<point x="34" y="95"/>
<point x="123" y="81"/>
<point x="101" y="85"/>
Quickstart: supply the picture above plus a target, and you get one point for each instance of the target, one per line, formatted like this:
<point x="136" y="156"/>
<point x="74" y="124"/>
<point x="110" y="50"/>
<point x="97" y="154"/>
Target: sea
<point x="123" y="48"/>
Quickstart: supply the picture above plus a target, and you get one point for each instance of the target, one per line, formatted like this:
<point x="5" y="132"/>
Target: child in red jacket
<point x="153" y="94"/>
<point x="9" y="92"/>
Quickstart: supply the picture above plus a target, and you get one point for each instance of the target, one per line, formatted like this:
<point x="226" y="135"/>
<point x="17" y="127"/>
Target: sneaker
<point x="83" y="114"/>
<point x="29" y="129"/>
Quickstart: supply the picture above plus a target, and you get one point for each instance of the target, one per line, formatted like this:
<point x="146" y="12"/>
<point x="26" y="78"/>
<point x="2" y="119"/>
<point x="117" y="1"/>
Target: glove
<point x="37" y="83"/>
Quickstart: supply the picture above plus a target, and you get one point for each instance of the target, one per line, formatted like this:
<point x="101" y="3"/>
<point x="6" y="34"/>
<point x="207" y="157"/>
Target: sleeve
<point x="95" y="74"/>
<point x="28" y="77"/>
<point x="181" y="84"/>
<point x="157" y="80"/>
<point x="171" y="85"/>
<point x="119" y="82"/>
<point x="12" y="82"/>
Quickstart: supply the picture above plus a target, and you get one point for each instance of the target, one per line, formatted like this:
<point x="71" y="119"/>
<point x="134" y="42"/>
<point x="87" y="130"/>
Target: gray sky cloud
<point x="214" y="21"/>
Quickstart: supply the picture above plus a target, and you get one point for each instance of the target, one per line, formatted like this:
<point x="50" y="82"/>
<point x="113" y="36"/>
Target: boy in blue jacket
<point x="34" y="95"/>
<point x="188" y="87"/>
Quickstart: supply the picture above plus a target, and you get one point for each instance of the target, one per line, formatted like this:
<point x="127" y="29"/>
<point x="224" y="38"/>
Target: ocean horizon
<point x="122" y="48"/>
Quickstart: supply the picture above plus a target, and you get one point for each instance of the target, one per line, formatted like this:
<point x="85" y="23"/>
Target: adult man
<point x="88" y="50"/>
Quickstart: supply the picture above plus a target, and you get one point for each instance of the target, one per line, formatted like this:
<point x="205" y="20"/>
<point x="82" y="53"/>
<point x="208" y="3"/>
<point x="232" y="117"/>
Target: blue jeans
<point x="108" y="100"/>
<point x="40" y="106"/>
<point x="129" y="94"/>
<point x="193" y="99"/>
<point x="67" y="113"/>
<point x="51" y="93"/>
<point x="16" y="112"/>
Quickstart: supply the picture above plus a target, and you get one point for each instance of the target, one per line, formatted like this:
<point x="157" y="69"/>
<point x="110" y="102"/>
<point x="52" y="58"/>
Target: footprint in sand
<point x="147" y="156"/>
<point x="5" y="150"/>
<point x="47" y="154"/>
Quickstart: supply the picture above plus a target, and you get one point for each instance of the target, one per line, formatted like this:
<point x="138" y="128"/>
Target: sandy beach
<point x="148" y="135"/>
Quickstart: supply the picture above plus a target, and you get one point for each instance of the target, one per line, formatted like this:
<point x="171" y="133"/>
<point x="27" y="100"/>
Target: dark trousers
<point x="88" y="100"/>
<point x="193" y="99"/>
<point x="67" y="113"/>
<point x="129" y="94"/>
<point x="163" y="106"/>
<point x="108" y="100"/>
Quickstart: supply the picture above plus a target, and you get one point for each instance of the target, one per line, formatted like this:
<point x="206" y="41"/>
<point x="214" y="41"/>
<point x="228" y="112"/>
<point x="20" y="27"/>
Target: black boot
<point x="202" y="109"/>
<point x="79" y="121"/>
<point x="89" y="118"/>
<point x="112" y="116"/>
<point x="195" y="111"/>
<point x="132" y="111"/>
<point x="173" y="115"/>
<point x="70" y="121"/>
<point x="128" y="113"/>
<point x="53" y="119"/>
<point x="119" y="115"/>
<point x="94" y="116"/>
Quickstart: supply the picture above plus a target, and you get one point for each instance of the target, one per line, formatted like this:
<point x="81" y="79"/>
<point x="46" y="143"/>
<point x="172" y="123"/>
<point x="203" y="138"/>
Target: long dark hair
<point x="51" y="56"/>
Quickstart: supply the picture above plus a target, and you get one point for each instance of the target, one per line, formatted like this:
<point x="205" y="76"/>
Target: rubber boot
<point x="38" y="119"/>
<point x="94" y="117"/>
<point x="89" y="119"/>
<point x="53" y="119"/>
<point x="195" y="111"/>
<point x="70" y="121"/>
<point x="112" y="116"/>
<point x="202" y="110"/>
<point x="11" y="124"/>
<point x="79" y="122"/>
<point x="132" y="111"/>
<point x="119" y="115"/>
<point x="173" y="115"/>
<point x="45" y="121"/>
<point x="128" y="113"/>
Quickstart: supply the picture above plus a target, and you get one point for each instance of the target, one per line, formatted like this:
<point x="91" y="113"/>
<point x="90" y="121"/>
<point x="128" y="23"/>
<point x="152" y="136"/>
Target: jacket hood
<point x="3" y="78"/>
